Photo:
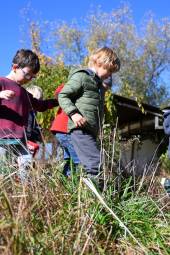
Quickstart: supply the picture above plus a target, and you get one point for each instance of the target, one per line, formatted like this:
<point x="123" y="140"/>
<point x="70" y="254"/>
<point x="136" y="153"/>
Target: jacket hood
<point x="81" y="69"/>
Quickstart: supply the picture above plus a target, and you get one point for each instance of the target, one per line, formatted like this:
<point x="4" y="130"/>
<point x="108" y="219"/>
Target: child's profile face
<point x="103" y="72"/>
<point x="23" y="75"/>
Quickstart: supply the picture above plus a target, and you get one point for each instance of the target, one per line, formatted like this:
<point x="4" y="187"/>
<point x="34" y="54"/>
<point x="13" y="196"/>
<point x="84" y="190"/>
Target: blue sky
<point x="11" y="19"/>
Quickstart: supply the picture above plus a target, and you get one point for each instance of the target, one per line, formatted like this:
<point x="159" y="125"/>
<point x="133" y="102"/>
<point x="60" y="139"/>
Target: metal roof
<point x="129" y="110"/>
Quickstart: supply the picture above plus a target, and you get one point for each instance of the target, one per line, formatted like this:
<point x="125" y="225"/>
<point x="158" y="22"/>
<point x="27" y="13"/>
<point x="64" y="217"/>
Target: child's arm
<point x="70" y="92"/>
<point x="7" y="94"/>
<point x="41" y="105"/>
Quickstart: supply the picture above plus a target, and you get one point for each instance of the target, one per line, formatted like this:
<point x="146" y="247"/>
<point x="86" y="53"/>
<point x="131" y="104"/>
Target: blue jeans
<point x="70" y="155"/>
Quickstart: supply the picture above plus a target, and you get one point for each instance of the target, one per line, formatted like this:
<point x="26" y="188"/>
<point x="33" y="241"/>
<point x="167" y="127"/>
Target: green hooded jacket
<point x="82" y="94"/>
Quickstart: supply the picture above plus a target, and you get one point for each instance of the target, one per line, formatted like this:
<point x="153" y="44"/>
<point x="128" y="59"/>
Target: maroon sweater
<point x="14" y="112"/>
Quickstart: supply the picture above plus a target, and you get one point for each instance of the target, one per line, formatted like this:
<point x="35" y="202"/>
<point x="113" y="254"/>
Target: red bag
<point x="33" y="147"/>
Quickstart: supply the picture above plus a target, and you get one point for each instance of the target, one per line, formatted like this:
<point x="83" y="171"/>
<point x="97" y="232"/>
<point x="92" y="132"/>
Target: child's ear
<point x="14" y="67"/>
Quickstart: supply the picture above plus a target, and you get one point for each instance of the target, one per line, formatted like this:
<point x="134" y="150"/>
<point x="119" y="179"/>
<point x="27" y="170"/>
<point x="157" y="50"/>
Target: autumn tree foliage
<point x="144" y="51"/>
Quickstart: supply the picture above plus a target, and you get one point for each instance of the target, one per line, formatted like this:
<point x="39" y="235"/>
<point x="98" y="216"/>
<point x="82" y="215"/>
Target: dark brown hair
<point x="27" y="58"/>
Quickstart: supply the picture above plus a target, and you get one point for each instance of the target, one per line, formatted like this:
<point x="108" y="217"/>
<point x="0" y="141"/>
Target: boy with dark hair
<point x="81" y="101"/>
<point x="15" y="105"/>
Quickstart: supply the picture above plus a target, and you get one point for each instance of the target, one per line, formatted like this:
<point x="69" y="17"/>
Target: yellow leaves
<point x="109" y="101"/>
<point x="139" y="102"/>
<point x="130" y="93"/>
<point x="45" y="60"/>
<point x="128" y="90"/>
<point x="110" y="110"/>
<point x="35" y="37"/>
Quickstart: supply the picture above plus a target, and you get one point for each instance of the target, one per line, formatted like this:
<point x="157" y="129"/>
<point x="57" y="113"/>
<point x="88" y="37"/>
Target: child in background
<point x="15" y="105"/>
<point x="33" y="130"/>
<point x="60" y="129"/>
<point x="81" y="101"/>
<point x="165" y="181"/>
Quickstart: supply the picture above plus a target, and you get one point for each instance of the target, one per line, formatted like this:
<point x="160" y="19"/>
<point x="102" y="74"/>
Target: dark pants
<point x="87" y="150"/>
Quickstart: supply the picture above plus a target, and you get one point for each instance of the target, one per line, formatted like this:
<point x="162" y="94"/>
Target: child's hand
<point x="78" y="120"/>
<point x="7" y="94"/>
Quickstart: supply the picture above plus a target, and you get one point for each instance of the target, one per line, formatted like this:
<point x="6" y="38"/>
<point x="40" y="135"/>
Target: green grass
<point x="55" y="215"/>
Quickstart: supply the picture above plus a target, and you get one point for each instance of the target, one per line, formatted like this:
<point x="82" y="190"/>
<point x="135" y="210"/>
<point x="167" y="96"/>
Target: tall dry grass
<point x="55" y="215"/>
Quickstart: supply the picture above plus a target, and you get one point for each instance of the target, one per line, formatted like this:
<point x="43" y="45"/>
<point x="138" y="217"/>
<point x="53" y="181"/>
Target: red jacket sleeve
<point x="58" y="89"/>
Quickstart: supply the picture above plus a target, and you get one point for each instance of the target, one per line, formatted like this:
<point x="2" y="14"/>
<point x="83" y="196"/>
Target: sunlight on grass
<point x="55" y="215"/>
